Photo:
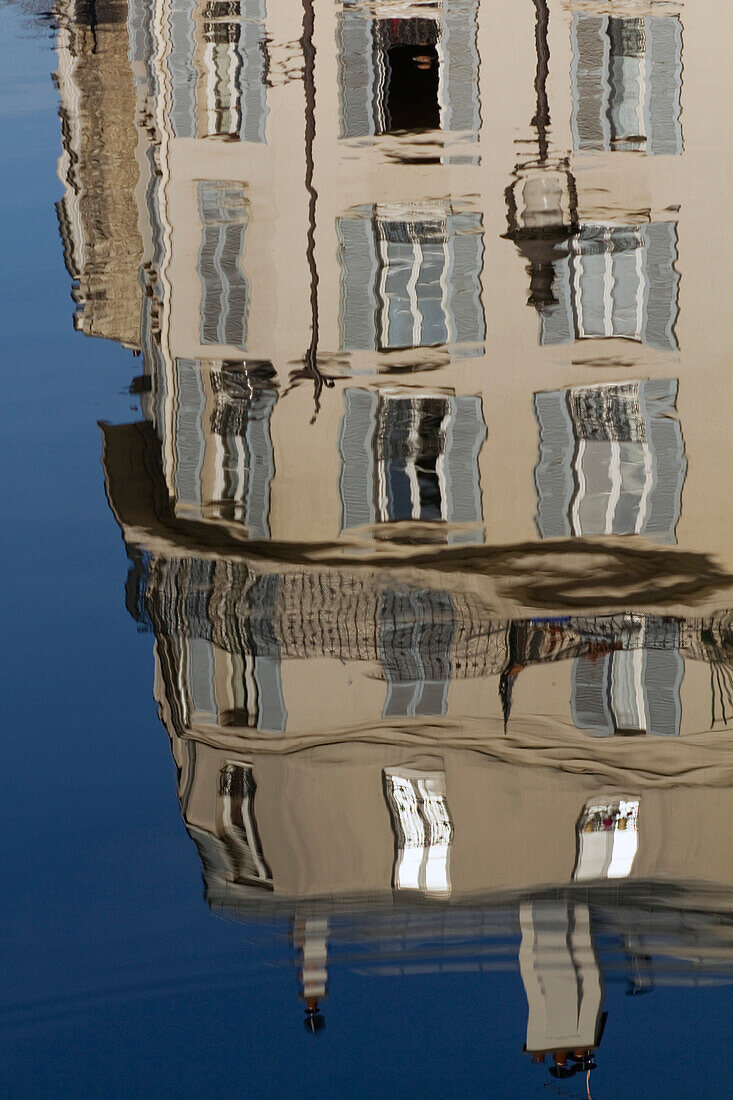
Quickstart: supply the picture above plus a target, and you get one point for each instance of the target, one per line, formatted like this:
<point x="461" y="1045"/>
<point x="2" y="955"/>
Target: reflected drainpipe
<point x="310" y="367"/>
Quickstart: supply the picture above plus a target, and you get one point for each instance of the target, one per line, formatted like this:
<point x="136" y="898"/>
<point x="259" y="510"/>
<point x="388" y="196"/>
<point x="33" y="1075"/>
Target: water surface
<point x="368" y="549"/>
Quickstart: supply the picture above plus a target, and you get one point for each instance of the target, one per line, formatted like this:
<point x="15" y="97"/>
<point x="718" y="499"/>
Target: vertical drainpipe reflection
<point x="310" y="360"/>
<point x="541" y="120"/>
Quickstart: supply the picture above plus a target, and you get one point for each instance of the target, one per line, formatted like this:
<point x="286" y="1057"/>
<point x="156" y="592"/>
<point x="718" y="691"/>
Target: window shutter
<point x="588" y="700"/>
<point x="224" y="288"/>
<point x="662" y="281"/>
<point x="194" y="583"/>
<point x="460" y="66"/>
<point x="261" y="467"/>
<point x="590" y="46"/>
<point x="182" y="70"/>
<point x="253" y="84"/>
<point x="215" y="858"/>
<point x="465" y="435"/>
<point x="201" y="677"/>
<point x="271" y="711"/>
<point x="262" y="600"/>
<point x="358" y="261"/>
<point x="466" y="246"/>
<point x="237" y="789"/>
<point x="357" y="460"/>
<point x="142" y="48"/>
<point x="433" y="698"/>
<point x="189" y="443"/>
<point x="670" y="464"/>
<point x="553" y="472"/>
<point x="664" y="55"/>
<point x="556" y="321"/>
<point x="663" y="674"/>
<point x="400" y="701"/>
<point x="356" y="74"/>
<point x="432" y="275"/>
<point x="624" y="248"/>
<point x="591" y="253"/>
<point x="632" y="477"/>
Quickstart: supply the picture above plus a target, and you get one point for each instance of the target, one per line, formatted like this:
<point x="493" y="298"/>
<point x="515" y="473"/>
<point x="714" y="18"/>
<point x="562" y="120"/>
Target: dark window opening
<point x="411" y="89"/>
<point x="410" y="440"/>
<point x="407" y="94"/>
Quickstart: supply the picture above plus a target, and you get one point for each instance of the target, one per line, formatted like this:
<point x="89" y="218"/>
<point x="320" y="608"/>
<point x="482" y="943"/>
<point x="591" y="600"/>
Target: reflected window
<point x="223" y="667"/>
<point x="254" y="691"/>
<point x="240" y="427"/>
<point x="410" y="277"/>
<point x="224" y="461"/>
<point x="635" y="689"/>
<point x="615" y="281"/>
<point x="608" y="838"/>
<point x="406" y="59"/>
<point x="611" y="462"/>
<point x="238" y="826"/>
<point x="409" y="446"/>
<point x="411" y="457"/>
<point x="416" y="633"/>
<point x="626" y="83"/>
<point x="216" y="60"/>
<point x="423" y="830"/>
<point x="234" y="68"/>
<point x="408" y="73"/>
<point x="223" y="67"/>
<point x="223" y="210"/>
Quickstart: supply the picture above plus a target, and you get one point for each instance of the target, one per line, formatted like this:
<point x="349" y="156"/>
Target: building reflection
<point x="217" y="65"/>
<point x="376" y="282"/>
<point x="341" y="830"/>
<point x="430" y="688"/>
<point x="339" y="809"/>
<point x="227" y="628"/>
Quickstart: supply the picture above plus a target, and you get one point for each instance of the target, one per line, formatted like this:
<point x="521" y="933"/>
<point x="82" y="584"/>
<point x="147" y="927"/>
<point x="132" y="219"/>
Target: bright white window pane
<point x="625" y="844"/>
<point x="423" y="828"/>
<point x="608" y="840"/>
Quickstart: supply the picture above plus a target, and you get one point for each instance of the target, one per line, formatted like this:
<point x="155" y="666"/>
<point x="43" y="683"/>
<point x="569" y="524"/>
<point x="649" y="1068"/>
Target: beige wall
<point x="325" y="825"/>
<point x="617" y="187"/>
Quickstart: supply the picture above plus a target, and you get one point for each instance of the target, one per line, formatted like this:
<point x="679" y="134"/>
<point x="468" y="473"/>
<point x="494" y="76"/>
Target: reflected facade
<point x="441" y="611"/>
